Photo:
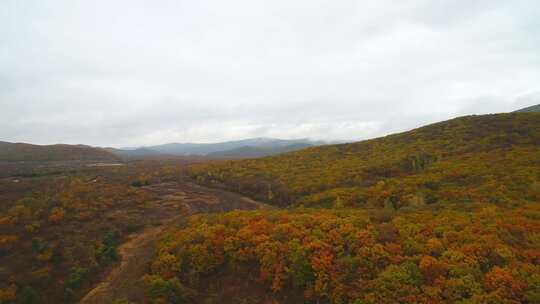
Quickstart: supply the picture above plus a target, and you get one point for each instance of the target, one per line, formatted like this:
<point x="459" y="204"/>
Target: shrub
<point x="167" y="291"/>
<point x="57" y="215"/>
<point x="76" y="277"/>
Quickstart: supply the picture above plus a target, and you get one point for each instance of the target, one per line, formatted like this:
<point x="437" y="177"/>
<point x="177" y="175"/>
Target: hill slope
<point x="535" y="108"/>
<point x="447" y="213"/>
<point x="29" y="152"/>
<point x="481" y="158"/>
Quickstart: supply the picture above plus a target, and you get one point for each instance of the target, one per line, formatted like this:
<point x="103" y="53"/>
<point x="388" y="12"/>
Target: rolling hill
<point x="535" y="108"/>
<point x="60" y="152"/>
<point x="473" y="158"/>
<point x="446" y="213"/>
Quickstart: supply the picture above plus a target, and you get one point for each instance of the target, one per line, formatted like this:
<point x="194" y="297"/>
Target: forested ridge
<point x="491" y="158"/>
<point x="16" y="152"/>
<point x="446" y="213"/>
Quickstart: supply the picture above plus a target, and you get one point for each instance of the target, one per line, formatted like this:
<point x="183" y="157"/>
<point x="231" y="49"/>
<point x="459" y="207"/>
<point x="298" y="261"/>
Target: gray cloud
<point x="133" y="73"/>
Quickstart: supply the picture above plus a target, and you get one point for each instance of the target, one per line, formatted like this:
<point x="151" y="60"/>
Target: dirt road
<point x="175" y="201"/>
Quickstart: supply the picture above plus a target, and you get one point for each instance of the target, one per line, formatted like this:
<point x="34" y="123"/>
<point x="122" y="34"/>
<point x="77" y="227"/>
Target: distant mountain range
<point x="253" y="147"/>
<point x="252" y="152"/>
<point x="247" y="148"/>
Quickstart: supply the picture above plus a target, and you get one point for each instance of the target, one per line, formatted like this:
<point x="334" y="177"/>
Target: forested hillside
<point x="535" y="108"/>
<point x="484" y="255"/>
<point x="447" y="213"/>
<point x="489" y="158"/>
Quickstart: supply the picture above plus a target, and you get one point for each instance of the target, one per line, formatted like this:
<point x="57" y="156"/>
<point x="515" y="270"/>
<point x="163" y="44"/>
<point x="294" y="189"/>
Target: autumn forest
<point x="445" y="213"/>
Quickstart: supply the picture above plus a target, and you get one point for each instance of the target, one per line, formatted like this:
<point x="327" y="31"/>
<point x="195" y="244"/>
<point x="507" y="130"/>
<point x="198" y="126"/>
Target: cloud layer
<point x="119" y="73"/>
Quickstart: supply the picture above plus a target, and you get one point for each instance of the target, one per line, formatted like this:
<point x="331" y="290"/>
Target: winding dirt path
<point x="176" y="201"/>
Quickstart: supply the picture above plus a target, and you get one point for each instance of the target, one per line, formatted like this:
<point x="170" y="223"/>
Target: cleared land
<point x="175" y="201"/>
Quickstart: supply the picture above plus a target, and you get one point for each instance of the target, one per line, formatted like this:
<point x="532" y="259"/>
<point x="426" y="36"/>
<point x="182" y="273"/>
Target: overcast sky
<point x="124" y="73"/>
